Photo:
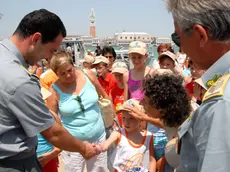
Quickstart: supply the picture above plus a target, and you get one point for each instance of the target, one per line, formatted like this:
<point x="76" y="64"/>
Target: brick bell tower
<point x="92" y="20"/>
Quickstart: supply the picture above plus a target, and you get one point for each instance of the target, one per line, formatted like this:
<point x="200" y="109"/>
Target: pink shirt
<point x="134" y="87"/>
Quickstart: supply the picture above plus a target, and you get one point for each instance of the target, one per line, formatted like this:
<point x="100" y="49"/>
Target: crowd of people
<point x="169" y="117"/>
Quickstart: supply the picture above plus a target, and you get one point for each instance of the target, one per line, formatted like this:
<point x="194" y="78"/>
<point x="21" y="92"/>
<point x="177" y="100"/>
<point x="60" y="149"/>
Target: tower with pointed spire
<point x="92" y="20"/>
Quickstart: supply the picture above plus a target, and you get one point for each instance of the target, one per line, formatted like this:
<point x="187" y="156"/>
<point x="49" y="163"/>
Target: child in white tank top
<point x="134" y="150"/>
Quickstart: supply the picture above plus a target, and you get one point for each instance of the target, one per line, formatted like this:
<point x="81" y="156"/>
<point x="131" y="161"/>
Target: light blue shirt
<point x="205" y="138"/>
<point x="43" y="146"/>
<point x="160" y="140"/>
<point x="186" y="72"/>
<point x="87" y="125"/>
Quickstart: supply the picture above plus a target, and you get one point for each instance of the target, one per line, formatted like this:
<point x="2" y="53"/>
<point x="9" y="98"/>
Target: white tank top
<point x="128" y="157"/>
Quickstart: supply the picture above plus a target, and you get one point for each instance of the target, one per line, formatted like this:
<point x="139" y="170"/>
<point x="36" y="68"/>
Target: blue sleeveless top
<point x="85" y="125"/>
<point x="43" y="146"/>
<point x="160" y="140"/>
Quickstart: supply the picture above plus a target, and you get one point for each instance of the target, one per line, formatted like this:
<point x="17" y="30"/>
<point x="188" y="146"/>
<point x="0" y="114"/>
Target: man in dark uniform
<point x="204" y="30"/>
<point x="23" y="113"/>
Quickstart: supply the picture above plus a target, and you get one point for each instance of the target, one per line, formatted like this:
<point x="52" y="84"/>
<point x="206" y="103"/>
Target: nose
<point x="68" y="75"/>
<point x="127" y="122"/>
<point x="136" y="61"/>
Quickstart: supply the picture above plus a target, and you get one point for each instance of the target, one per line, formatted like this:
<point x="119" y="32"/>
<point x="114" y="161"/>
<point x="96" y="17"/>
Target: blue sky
<point x="112" y="16"/>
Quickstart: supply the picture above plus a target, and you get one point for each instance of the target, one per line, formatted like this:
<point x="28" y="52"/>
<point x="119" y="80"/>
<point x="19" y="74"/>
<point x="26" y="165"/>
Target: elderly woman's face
<point x="149" y="108"/>
<point x="66" y="73"/>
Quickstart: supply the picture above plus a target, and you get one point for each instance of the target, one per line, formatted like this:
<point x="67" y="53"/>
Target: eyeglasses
<point x="109" y="57"/>
<point x="176" y="39"/>
<point x="78" y="98"/>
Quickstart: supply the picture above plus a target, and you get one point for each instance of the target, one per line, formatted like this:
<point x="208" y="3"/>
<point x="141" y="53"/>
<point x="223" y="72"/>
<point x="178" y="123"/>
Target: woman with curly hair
<point x="167" y="102"/>
<point x="166" y="99"/>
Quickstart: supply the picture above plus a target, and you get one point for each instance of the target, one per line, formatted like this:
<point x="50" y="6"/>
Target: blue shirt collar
<point x="218" y="69"/>
<point x="8" y="44"/>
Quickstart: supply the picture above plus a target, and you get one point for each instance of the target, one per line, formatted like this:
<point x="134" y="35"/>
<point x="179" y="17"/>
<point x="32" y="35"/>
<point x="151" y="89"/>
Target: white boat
<point x="78" y="48"/>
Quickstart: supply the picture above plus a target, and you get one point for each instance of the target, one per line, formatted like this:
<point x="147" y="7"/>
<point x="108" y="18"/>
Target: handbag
<point x="106" y="111"/>
<point x="105" y="106"/>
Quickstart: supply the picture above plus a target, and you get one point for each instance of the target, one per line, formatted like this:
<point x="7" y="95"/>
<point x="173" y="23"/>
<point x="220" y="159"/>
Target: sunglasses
<point x="176" y="39"/>
<point x="109" y="57"/>
<point x="78" y="98"/>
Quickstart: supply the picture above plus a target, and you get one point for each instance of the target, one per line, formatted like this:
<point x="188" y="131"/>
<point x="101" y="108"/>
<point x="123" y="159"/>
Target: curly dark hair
<point x="167" y="94"/>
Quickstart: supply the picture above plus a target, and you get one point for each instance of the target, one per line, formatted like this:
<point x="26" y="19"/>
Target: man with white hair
<point x="204" y="30"/>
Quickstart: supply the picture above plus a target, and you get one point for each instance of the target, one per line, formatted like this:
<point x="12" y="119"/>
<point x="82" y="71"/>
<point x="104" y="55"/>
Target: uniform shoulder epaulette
<point x="217" y="89"/>
<point x="29" y="73"/>
<point x="34" y="76"/>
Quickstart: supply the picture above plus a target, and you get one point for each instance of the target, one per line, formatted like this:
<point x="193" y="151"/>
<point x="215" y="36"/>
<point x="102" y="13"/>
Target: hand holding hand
<point x="90" y="150"/>
<point x="99" y="148"/>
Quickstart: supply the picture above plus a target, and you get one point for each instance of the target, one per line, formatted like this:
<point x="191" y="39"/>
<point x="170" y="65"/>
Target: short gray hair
<point x="213" y="15"/>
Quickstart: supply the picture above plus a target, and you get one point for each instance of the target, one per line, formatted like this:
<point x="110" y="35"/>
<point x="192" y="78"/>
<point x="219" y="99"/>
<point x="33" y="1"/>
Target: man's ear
<point x="201" y="34"/>
<point x="35" y="38"/>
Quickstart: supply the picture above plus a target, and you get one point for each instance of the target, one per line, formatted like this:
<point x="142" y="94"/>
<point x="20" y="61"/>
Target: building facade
<point x="124" y="38"/>
<point x="163" y="41"/>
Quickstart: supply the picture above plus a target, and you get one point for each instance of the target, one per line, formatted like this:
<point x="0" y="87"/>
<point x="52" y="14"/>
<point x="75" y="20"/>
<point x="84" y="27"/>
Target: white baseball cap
<point x="99" y="59"/>
<point x="119" y="67"/>
<point x="200" y="82"/>
<point x="131" y="102"/>
<point x="162" y="72"/>
<point x="137" y="47"/>
<point x="88" y="59"/>
<point x="168" y="54"/>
